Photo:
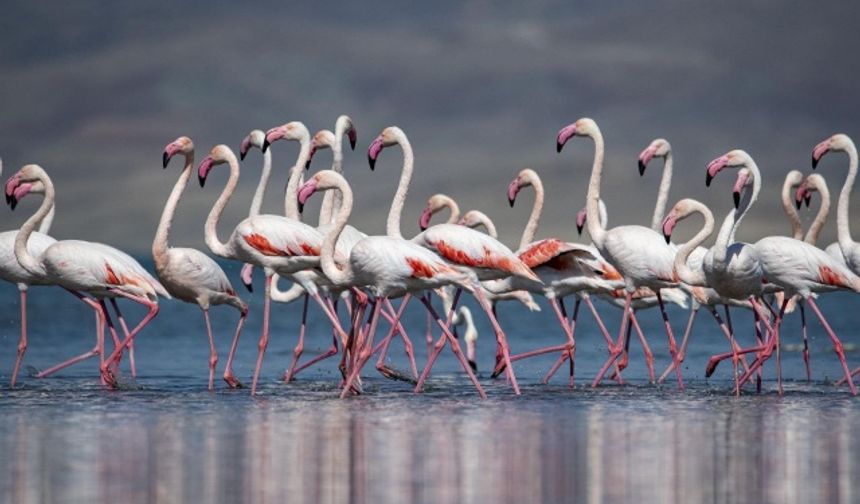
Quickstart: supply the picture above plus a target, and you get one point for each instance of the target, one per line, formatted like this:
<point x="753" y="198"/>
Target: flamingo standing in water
<point x="276" y="243"/>
<point x="82" y="267"/>
<point x="12" y="272"/>
<point x="640" y="254"/>
<point x="191" y="275"/>
<point x="385" y="265"/>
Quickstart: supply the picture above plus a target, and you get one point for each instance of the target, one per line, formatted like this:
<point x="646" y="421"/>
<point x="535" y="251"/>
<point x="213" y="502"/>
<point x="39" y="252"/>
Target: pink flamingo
<point x="276" y="243"/>
<point x="564" y="268"/>
<point x="82" y="267"/>
<point x="385" y="265"/>
<point x="191" y="275"/>
<point x="12" y="272"/>
<point x="640" y="254"/>
<point x="475" y="219"/>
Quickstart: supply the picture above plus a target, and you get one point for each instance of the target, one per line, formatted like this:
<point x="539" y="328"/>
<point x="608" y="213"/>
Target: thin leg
<point x="117" y="343"/>
<point x="213" y="355"/>
<point x="672" y="346"/>
<point x="649" y="355"/>
<point x="264" y="337"/>
<point x="684" y="340"/>
<point x="564" y="347"/>
<point x="297" y="352"/>
<point x="805" y="340"/>
<point x="455" y="347"/>
<point x="366" y="351"/>
<point x="97" y="350"/>
<point x="124" y="327"/>
<point x="616" y="350"/>
<point x="837" y="345"/>
<point x="500" y="337"/>
<point x="604" y="332"/>
<point x="229" y="377"/>
<point x="22" y="342"/>
<point x="769" y="346"/>
<point x="428" y="333"/>
<point x="570" y="346"/>
<point x="153" y="311"/>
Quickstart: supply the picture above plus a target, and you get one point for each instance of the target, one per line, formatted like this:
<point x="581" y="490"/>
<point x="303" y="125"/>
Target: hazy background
<point x="94" y="91"/>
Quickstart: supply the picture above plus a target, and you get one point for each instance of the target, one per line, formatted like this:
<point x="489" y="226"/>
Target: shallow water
<point x="164" y="438"/>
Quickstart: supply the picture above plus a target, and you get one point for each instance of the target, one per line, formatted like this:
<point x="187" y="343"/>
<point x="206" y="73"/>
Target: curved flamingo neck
<point x="210" y="229"/>
<point x="25" y="259"/>
<point x="537" y="208"/>
<point x="821" y="217"/>
<point x="260" y="192"/>
<point x="452" y="206"/>
<point x="682" y="269"/>
<point x="733" y="220"/>
<point x="45" y="225"/>
<point x="790" y="211"/>
<point x="392" y="226"/>
<point x="843" y="231"/>
<point x="595" y="227"/>
<point x="291" y="201"/>
<point x="339" y="275"/>
<point x="663" y="193"/>
<point x="481" y="219"/>
<point x="160" y="243"/>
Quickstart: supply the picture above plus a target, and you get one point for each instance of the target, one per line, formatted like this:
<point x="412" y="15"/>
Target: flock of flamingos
<point x="332" y="263"/>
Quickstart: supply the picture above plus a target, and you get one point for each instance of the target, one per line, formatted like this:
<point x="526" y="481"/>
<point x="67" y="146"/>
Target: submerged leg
<point x="618" y="348"/>
<point x="837" y="345"/>
<point x="673" y="351"/>
<point x="97" y="350"/>
<point x="22" y="341"/>
<point x="229" y="377"/>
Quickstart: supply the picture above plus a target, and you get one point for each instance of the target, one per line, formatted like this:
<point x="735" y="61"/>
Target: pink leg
<point x="300" y="346"/>
<point x="837" y="345"/>
<point x="125" y="334"/>
<point x="564" y="347"/>
<point x="395" y="328"/>
<point x="673" y="351"/>
<point x="97" y="350"/>
<point x="570" y="346"/>
<point x="428" y="333"/>
<point x="229" y="377"/>
<point x="618" y="348"/>
<point x="604" y="332"/>
<point x="116" y="341"/>
<point x="264" y="337"/>
<point x="114" y="357"/>
<point x="501" y="339"/>
<point x="390" y="314"/>
<point x="805" y="341"/>
<point x="771" y="344"/>
<point x="684" y="340"/>
<point x="332" y="350"/>
<point x="649" y="355"/>
<point x="455" y="347"/>
<point x="213" y="355"/>
<point x="22" y="342"/>
<point x="366" y="350"/>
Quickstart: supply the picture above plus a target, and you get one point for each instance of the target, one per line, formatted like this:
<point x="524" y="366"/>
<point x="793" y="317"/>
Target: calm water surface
<point x="163" y="438"/>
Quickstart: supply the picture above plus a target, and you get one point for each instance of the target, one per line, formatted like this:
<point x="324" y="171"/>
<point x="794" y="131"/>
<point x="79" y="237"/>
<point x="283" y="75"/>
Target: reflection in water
<point x="550" y="446"/>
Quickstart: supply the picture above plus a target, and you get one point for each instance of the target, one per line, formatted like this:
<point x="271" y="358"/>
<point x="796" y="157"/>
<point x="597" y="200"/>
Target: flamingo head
<point x="802" y="194"/>
<point x="254" y="139"/>
<point x="219" y="154"/>
<point x="679" y="212"/>
<point x="472" y="219"/>
<point x="28" y="179"/>
<point x="436" y="203"/>
<point x="837" y="142"/>
<point x="732" y="159"/>
<point x="389" y="136"/>
<point x="523" y="179"/>
<point x="744" y="178"/>
<point x="182" y="145"/>
<point x="344" y="123"/>
<point x="321" y="181"/>
<point x="293" y="130"/>
<point x="582" y="127"/>
<point x="581" y="217"/>
<point x="658" y="148"/>
<point x="323" y="139"/>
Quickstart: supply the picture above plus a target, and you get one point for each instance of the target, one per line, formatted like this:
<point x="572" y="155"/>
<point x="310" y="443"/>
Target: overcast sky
<point x="94" y="92"/>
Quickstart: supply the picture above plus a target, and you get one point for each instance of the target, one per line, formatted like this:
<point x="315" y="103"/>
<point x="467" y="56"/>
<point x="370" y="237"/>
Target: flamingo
<point x="564" y="268"/>
<point x="191" y="275"/>
<point x="83" y="267"/>
<point x="385" y="265"/>
<point x="477" y="218"/>
<point x="11" y="271"/>
<point x="436" y="203"/>
<point x="276" y="243"/>
<point x="483" y="256"/>
<point x="640" y="254"/>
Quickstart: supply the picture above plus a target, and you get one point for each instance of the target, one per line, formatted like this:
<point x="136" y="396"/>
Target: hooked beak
<point x="11" y="185"/>
<point x="669" y="226"/>
<point x="311" y="155"/>
<point x="581" y="216"/>
<point x="819" y="151"/>
<point x="353" y="138"/>
<point x="714" y="167"/>
<point x="564" y="135"/>
<point x="424" y="220"/>
<point x="513" y="189"/>
<point x="305" y="192"/>
<point x="243" y="149"/>
<point x="645" y="157"/>
<point x="169" y="151"/>
<point x="203" y="170"/>
<point x="800" y="194"/>
<point x="247" y="276"/>
<point x="739" y="185"/>
<point x="272" y="136"/>
<point x="373" y="151"/>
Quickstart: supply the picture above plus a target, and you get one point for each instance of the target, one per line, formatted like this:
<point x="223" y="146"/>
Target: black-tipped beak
<point x="266" y="144"/>
<point x="308" y="164"/>
<point x="13" y="201"/>
<point x="814" y="162"/>
<point x="301" y="206"/>
<point x="202" y="180"/>
<point x="667" y="237"/>
<point x="736" y="196"/>
<point x="807" y="200"/>
<point x="8" y="199"/>
<point x="242" y="155"/>
<point x="511" y="201"/>
<point x="558" y="146"/>
<point x="249" y="286"/>
<point x="164" y="159"/>
<point x="579" y="229"/>
<point x="708" y="179"/>
<point x="372" y="162"/>
<point x="798" y="203"/>
<point x="641" y="168"/>
<point x="352" y="142"/>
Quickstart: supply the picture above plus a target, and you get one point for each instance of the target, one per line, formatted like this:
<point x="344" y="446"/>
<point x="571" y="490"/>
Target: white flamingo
<point x="640" y="254"/>
<point x="82" y="267"/>
<point x="191" y="275"/>
<point x="11" y="271"/>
